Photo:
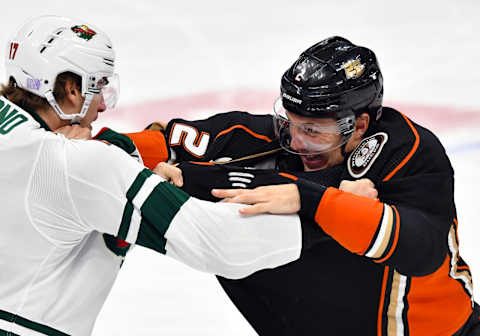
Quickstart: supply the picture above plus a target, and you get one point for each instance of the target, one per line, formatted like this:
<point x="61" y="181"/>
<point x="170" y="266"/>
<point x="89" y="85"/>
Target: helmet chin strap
<point x="83" y="112"/>
<point x="75" y="118"/>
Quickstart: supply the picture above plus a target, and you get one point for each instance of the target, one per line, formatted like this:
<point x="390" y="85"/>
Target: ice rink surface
<point x="195" y="58"/>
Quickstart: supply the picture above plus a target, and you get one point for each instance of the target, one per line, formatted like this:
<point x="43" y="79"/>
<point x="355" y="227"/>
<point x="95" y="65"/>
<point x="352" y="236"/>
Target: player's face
<point x="302" y="141"/>
<point x="96" y="106"/>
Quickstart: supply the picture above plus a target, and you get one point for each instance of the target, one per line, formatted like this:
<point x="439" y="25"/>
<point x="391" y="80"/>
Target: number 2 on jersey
<point x="194" y="143"/>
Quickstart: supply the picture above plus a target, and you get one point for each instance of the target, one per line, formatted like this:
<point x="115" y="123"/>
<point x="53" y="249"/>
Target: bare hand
<point x="170" y="173"/>
<point x="363" y="187"/>
<point x="275" y="199"/>
<point x="75" y="132"/>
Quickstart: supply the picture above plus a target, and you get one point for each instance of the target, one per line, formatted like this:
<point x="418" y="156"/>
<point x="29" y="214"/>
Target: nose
<point x="297" y="142"/>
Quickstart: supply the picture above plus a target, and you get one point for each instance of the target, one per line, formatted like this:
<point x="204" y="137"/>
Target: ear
<point x="361" y="126"/>
<point x="73" y="96"/>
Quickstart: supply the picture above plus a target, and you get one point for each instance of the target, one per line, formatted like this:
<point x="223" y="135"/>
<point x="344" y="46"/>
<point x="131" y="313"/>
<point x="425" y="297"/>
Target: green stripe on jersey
<point x="158" y="211"/>
<point x="126" y="219"/>
<point x="118" y="139"/>
<point x="138" y="183"/>
<point x="128" y="210"/>
<point x="38" y="327"/>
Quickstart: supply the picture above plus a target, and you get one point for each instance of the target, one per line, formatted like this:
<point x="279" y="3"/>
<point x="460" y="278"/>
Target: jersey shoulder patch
<point x="362" y="158"/>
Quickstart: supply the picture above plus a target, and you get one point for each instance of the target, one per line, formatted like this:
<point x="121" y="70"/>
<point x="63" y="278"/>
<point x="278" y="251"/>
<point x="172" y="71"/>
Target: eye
<point x="310" y="130"/>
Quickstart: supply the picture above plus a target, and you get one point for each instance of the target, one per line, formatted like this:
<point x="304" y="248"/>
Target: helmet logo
<point x="84" y="32"/>
<point x="292" y="99"/>
<point x="353" y="69"/>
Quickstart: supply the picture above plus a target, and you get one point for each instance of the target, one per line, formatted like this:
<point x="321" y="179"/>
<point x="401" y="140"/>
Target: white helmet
<point x="49" y="45"/>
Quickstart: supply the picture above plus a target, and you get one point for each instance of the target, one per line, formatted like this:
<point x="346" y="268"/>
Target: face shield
<point x="109" y="86"/>
<point x="314" y="137"/>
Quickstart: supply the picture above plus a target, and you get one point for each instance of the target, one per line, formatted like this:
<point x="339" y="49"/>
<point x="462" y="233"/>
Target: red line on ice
<point x="436" y="118"/>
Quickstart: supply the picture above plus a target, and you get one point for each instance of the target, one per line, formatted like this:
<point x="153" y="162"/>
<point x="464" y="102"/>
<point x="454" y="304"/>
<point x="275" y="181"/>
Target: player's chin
<point x="315" y="162"/>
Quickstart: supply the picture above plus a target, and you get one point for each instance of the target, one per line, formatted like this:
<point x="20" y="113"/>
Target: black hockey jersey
<point x="373" y="267"/>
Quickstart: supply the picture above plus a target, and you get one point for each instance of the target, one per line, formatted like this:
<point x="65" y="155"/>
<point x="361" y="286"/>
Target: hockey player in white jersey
<point x="59" y="196"/>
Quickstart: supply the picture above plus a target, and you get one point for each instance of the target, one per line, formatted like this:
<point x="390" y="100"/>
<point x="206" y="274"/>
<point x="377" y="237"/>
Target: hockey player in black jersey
<point x="385" y="266"/>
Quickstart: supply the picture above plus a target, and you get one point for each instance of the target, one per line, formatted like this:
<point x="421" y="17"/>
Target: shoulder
<point x="98" y="162"/>
<point x="399" y="147"/>
<point x="88" y="150"/>
<point x="224" y="123"/>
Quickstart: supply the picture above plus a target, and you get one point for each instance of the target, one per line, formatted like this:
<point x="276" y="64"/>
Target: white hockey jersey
<point x="57" y="198"/>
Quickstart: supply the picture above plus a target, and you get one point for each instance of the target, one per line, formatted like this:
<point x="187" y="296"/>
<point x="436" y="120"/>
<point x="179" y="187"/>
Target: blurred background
<point x="192" y="59"/>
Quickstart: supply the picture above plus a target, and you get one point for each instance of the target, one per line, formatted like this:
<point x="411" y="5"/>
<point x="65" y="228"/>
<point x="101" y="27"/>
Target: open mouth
<point x="316" y="161"/>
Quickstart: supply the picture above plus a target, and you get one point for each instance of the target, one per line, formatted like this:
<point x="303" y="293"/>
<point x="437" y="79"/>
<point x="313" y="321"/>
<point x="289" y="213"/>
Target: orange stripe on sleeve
<point x="409" y="155"/>
<point x="382" y="301"/>
<point x="256" y="135"/>
<point x="350" y="219"/>
<point x="151" y="145"/>
<point x="290" y="176"/>
<point x="463" y="268"/>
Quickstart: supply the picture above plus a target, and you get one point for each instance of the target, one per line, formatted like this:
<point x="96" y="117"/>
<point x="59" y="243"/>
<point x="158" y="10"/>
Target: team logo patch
<point x="84" y="32"/>
<point x="353" y="69"/>
<point x="362" y="158"/>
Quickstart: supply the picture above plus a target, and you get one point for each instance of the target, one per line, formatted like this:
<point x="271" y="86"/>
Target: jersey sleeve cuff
<point x="152" y="147"/>
<point x="310" y="195"/>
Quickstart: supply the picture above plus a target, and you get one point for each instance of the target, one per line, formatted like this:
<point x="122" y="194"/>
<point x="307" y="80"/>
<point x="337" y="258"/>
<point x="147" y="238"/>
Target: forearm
<point x="212" y="237"/>
<point x="407" y="239"/>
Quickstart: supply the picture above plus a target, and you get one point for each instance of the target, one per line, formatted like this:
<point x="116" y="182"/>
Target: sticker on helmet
<point x="84" y="32"/>
<point x="34" y="83"/>
<point x="292" y="99"/>
<point x="353" y="69"/>
<point x="362" y="158"/>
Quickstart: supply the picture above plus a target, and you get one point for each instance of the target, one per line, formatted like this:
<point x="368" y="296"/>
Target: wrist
<point x="310" y="195"/>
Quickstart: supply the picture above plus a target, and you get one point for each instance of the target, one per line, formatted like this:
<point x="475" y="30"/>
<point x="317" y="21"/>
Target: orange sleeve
<point x="152" y="147"/>
<point x="350" y="219"/>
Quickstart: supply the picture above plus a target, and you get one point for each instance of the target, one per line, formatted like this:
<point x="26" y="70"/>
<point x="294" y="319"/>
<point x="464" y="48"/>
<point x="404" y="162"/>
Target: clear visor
<point x="108" y="86"/>
<point x="310" y="137"/>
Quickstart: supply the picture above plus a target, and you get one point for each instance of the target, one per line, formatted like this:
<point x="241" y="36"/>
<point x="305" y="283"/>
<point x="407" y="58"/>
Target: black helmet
<point x="332" y="79"/>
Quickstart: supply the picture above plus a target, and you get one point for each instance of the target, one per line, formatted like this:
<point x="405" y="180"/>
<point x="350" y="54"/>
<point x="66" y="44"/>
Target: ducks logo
<point x="365" y="154"/>
<point x="353" y="69"/>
